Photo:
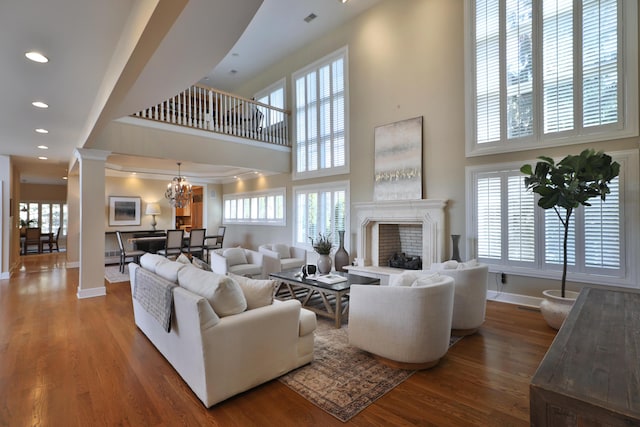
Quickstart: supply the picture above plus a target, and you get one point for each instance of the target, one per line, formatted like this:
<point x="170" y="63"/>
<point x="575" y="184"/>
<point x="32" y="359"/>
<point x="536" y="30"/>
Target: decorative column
<point x="92" y="220"/>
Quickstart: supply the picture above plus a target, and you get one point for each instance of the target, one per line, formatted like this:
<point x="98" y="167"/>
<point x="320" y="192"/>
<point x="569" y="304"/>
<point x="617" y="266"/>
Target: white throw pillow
<point x="450" y="265"/>
<point x="258" y="293"/>
<point x="198" y="263"/>
<point x="406" y="278"/>
<point x="426" y="280"/>
<point x="469" y="264"/>
<point x="150" y="261"/>
<point x="169" y="270"/>
<point x="183" y="259"/>
<point x="235" y="256"/>
<point x="223" y="293"/>
<point x="282" y="250"/>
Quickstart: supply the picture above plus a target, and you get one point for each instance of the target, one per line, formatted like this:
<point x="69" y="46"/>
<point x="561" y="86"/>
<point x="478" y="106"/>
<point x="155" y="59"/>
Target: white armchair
<point x="280" y="256"/>
<point x="240" y="261"/>
<point x="408" y="325"/>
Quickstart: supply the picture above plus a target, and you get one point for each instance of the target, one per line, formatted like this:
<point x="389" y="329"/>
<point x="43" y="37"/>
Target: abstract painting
<point x="398" y="161"/>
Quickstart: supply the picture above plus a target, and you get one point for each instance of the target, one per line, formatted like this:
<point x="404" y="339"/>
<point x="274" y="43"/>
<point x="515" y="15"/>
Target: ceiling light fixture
<point x="40" y="104"/>
<point x="43" y="147"/>
<point x="178" y="191"/>
<point x="342" y="1"/>
<point x="65" y="178"/>
<point x="37" y="57"/>
<point x="40" y="130"/>
<point x="43" y="158"/>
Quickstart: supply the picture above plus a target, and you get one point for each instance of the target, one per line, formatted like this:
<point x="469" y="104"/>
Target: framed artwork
<point x="124" y="210"/>
<point x="398" y="161"/>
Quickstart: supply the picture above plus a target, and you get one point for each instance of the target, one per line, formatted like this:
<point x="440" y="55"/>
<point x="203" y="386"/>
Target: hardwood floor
<point x="70" y="362"/>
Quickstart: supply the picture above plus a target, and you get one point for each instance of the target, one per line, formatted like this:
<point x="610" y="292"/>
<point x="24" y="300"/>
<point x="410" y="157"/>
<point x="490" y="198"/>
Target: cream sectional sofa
<point x="226" y="336"/>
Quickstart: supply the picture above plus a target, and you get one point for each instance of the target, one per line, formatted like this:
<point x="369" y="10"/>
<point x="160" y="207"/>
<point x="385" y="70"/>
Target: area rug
<point x="343" y="380"/>
<point x="113" y="275"/>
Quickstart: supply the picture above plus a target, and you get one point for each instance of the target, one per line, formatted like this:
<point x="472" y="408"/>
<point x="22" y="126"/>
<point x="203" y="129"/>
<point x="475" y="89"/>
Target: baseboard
<point x="516" y="299"/>
<point x="5" y="275"/>
<point x="92" y="292"/>
<point x="74" y="264"/>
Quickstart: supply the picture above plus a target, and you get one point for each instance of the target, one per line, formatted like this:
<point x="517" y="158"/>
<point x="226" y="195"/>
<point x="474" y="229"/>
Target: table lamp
<point x="153" y="209"/>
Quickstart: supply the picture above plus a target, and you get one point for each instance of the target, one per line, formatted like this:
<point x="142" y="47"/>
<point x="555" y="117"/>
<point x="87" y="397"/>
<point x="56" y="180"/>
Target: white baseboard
<point x="524" y="300"/>
<point x="5" y="275"/>
<point x="92" y="292"/>
<point x="75" y="264"/>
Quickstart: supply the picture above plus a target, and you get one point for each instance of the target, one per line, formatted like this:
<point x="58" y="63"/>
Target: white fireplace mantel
<point x="430" y="213"/>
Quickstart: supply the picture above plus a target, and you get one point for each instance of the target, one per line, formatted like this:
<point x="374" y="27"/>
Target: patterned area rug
<point x="343" y="380"/>
<point x="113" y="275"/>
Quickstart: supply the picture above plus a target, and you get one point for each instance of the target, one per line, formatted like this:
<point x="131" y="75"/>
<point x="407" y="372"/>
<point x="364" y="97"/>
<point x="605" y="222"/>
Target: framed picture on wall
<point x="398" y="160"/>
<point x="124" y="210"/>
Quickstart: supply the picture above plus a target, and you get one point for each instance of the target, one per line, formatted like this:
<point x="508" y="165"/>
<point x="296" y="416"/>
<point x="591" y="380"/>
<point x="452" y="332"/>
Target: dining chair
<point x="55" y="239"/>
<point x="124" y="253"/>
<point x="173" y="245"/>
<point x="32" y="237"/>
<point x="196" y="242"/>
<point x="215" y="242"/>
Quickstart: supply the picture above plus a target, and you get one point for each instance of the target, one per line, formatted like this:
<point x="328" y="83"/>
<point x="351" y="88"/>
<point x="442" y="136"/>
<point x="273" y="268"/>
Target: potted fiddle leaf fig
<point x="564" y="187"/>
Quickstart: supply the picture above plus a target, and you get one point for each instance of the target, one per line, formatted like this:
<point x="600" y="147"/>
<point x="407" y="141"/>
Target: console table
<point x="591" y="373"/>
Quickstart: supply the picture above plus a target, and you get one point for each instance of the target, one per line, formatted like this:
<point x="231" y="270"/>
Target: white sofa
<point x="219" y="356"/>
<point x="410" y="325"/>
<point x="280" y="256"/>
<point x="240" y="261"/>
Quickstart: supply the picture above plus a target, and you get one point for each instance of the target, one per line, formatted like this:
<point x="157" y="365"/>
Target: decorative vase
<point x="342" y="256"/>
<point x="455" y="240"/>
<point x="324" y="264"/>
<point x="554" y="308"/>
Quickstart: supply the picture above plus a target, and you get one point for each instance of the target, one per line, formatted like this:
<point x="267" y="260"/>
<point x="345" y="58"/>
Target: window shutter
<point x="521" y="221"/>
<point x="487" y="51"/>
<point x="600" y="62"/>
<point x="489" y="217"/>
<point x="554" y="238"/>
<point x="557" y="65"/>
<point x="602" y="230"/>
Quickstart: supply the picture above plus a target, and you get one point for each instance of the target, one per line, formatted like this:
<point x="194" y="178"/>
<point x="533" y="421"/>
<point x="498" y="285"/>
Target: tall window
<point x="513" y="234"/>
<point x="321" y="101"/>
<point x="257" y="208"/>
<point x="551" y="72"/>
<point x="274" y="96"/>
<point x="47" y="216"/>
<point x="320" y="209"/>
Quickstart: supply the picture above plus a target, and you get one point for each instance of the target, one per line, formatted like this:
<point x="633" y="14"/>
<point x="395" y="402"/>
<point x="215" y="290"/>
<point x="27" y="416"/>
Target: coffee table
<point x="328" y="300"/>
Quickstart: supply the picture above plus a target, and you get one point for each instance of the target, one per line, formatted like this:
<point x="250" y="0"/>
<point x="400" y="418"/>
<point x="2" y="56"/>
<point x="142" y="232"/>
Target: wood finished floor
<point x="70" y="362"/>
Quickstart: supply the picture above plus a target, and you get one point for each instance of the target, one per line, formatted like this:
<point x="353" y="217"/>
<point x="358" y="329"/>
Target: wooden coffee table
<point x="328" y="300"/>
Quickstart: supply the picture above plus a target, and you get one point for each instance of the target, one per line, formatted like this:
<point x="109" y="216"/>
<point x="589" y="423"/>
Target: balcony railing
<point x="212" y="110"/>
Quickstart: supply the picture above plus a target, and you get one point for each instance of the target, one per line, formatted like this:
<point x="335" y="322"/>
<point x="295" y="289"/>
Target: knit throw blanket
<point x="155" y="295"/>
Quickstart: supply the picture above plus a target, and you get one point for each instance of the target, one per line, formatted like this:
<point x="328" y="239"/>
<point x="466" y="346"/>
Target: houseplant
<point x="564" y="187"/>
<point x="323" y="245"/>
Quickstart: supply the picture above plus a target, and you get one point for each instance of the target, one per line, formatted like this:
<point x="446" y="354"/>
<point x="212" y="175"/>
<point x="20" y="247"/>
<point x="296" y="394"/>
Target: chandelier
<point x="178" y="191"/>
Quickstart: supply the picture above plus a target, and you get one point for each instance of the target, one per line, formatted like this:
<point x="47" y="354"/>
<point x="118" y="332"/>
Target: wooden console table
<point x="591" y="374"/>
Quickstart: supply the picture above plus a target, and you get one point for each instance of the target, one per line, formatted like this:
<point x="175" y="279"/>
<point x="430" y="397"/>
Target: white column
<point x="73" y="219"/>
<point x="92" y="214"/>
<point x="5" y="224"/>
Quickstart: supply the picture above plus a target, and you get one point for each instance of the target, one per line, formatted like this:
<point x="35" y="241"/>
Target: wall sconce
<point x="153" y="209"/>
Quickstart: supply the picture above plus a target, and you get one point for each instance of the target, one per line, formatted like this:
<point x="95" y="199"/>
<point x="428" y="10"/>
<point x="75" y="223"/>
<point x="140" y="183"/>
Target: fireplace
<point x="415" y="227"/>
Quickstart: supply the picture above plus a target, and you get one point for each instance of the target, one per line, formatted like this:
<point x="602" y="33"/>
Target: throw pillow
<point x="222" y="292"/>
<point x="406" y="278"/>
<point x="469" y="264"/>
<point x="183" y="259"/>
<point x="258" y="293"/>
<point x="282" y="250"/>
<point x="150" y="261"/>
<point x="426" y="280"/>
<point x="198" y="263"/>
<point x="169" y="270"/>
<point x="235" y="256"/>
<point x="450" y="265"/>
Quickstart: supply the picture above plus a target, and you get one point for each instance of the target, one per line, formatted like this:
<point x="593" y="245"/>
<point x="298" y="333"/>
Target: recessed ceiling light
<point x="40" y="104"/>
<point x="43" y="158"/>
<point x="36" y="57"/>
<point x="134" y="173"/>
<point x="40" y="130"/>
<point x="64" y="177"/>
<point x="43" y="147"/>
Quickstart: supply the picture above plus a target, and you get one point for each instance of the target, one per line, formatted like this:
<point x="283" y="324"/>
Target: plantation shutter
<point x="557" y="65"/>
<point x="487" y="51"/>
<point x="554" y="238"/>
<point x="600" y="62"/>
<point x="602" y="230"/>
<point x="489" y="208"/>
<point x="521" y="221"/>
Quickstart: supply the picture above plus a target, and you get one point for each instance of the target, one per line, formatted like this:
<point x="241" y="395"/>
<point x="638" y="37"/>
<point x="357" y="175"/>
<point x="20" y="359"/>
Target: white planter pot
<point x="554" y="308"/>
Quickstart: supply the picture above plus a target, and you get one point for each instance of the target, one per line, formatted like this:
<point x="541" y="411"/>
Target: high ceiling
<point x="111" y="58"/>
